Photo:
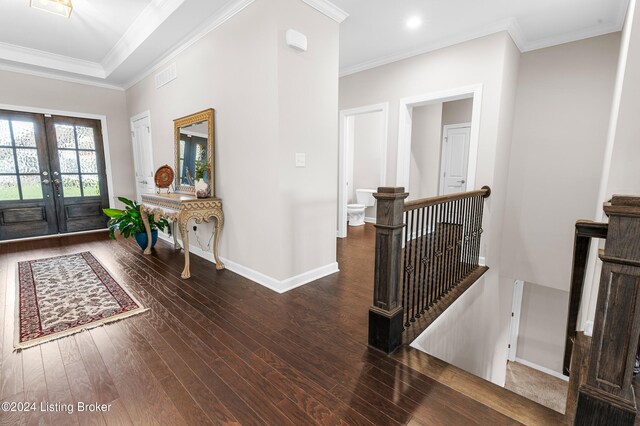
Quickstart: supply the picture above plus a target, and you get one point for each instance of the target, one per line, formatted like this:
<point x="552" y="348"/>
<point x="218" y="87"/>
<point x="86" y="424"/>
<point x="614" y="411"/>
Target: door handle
<point x="462" y="181"/>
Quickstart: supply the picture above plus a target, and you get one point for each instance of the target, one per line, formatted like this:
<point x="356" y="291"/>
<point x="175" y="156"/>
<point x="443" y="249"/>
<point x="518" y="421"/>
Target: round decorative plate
<point x="164" y="176"/>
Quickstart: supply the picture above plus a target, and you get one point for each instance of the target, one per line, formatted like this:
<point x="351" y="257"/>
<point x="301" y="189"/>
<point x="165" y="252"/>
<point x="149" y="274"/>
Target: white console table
<point x="180" y="208"/>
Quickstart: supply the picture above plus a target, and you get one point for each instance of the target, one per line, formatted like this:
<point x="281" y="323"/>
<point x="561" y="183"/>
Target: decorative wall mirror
<point x="194" y="155"/>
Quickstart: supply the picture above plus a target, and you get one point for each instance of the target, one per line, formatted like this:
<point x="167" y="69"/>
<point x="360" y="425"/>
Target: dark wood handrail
<point x="441" y="199"/>
<point x="585" y="231"/>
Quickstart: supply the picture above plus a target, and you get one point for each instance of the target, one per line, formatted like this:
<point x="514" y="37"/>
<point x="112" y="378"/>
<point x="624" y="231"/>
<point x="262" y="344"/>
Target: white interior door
<point x="142" y="155"/>
<point x="455" y="159"/>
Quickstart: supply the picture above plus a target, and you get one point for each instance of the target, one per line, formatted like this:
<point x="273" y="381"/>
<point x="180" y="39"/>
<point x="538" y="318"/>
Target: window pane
<point x="31" y="187"/>
<point x="71" y="185"/>
<point x="68" y="161"/>
<point x="9" y="188"/>
<point x="24" y="133"/>
<point x="5" y="134"/>
<point x="65" y="137"/>
<point x="90" y="185"/>
<point x="27" y="160"/>
<point x="85" y="138"/>
<point x="7" y="164"/>
<point x="88" y="162"/>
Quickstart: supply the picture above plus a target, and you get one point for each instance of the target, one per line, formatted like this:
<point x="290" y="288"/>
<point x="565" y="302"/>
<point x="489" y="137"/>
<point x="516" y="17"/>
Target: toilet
<point x="355" y="212"/>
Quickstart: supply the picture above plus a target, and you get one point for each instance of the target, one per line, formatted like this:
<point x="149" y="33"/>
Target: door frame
<point x="140" y="116"/>
<point x="446" y="129"/>
<point x="346" y="121"/>
<point x="514" y="324"/>
<point x="405" y="127"/>
<point x="105" y="136"/>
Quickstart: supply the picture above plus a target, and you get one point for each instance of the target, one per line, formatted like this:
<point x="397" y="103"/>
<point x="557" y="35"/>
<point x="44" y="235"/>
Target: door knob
<point x="46" y="181"/>
<point x="462" y="181"/>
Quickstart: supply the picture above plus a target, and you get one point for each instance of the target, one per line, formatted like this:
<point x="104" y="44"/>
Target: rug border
<point x="17" y="346"/>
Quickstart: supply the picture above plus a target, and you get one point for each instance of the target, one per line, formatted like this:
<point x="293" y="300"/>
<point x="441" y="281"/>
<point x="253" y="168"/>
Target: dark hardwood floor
<point x="218" y="348"/>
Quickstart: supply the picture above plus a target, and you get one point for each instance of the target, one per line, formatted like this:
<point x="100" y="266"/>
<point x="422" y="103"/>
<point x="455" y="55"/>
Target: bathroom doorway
<point x="362" y="159"/>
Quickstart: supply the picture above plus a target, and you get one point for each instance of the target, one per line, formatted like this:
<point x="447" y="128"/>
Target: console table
<point x="179" y="208"/>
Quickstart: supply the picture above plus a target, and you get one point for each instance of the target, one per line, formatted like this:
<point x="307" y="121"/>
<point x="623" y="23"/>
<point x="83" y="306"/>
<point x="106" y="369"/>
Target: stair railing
<point x="424" y="250"/>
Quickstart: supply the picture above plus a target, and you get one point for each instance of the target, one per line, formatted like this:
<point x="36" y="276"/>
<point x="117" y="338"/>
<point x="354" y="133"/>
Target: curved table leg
<point x="174" y="232"/>
<point x="219" y="222"/>
<point x="184" y="233"/>
<point x="145" y="220"/>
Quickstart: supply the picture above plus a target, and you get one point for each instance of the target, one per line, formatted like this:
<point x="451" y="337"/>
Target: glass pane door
<point x="27" y="206"/>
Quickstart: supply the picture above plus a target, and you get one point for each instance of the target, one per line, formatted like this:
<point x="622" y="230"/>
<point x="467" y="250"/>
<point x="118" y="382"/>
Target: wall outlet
<point x="301" y="159"/>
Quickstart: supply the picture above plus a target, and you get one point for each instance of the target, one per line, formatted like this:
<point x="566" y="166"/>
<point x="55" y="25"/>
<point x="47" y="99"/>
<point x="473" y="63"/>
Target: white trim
<point x="229" y="11"/>
<point x="190" y="133"/>
<point x="510" y="25"/>
<point x="105" y="136"/>
<point x="44" y="237"/>
<point x="369" y="220"/>
<point x="329" y="9"/>
<point x="443" y="153"/>
<point x="41" y="58"/>
<point x="514" y="324"/>
<point x="53" y="76"/>
<point x="572" y="36"/>
<point x="343" y="156"/>
<point x="279" y="286"/>
<point x="145" y="24"/>
<point x="542" y="369"/>
<point x="405" y="121"/>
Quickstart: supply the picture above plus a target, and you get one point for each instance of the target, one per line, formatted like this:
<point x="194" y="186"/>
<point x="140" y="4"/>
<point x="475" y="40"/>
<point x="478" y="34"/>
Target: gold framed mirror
<point x="194" y="154"/>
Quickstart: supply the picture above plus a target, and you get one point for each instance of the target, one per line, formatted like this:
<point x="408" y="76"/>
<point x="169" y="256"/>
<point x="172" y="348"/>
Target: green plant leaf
<point x="113" y="213"/>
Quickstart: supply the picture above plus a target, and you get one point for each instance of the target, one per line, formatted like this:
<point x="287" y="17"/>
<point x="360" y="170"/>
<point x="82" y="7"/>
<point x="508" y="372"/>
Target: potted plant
<point x="129" y="222"/>
<point x="202" y="188"/>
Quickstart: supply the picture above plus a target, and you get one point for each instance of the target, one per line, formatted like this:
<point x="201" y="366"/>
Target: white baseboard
<point x="279" y="286"/>
<point x="370" y="220"/>
<point x="543" y="369"/>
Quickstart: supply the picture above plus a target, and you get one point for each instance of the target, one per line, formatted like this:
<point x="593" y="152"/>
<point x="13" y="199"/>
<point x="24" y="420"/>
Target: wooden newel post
<point x="385" y="315"/>
<point x="607" y="396"/>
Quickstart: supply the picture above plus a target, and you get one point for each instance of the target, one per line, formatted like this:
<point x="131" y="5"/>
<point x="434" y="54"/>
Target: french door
<point x="52" y="175"/>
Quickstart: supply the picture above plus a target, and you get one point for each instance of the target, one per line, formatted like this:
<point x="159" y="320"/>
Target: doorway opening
<point x="53" y="175"/>
<point x="362" y="160"/>
<point x="438" y="142"/>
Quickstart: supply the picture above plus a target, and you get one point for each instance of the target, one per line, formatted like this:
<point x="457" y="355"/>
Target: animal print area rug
<point x="63" y="295"/>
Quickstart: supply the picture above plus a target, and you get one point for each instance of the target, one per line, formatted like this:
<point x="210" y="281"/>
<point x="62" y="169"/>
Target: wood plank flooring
<point x="220" y="349"/>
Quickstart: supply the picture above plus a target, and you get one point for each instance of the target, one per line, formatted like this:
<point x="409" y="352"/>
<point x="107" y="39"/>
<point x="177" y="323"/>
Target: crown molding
<point x="510" y="25"/>
<point x="329" y="9"/>
<point x="39" y="58"/>
<point x="494" y="28"/>
<point x="55" y="76"/>
<point x="144" y="25"/>
<point x="231" y="9"/>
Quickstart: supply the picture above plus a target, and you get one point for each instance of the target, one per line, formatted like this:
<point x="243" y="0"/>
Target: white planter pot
<point x="202" y="189"/>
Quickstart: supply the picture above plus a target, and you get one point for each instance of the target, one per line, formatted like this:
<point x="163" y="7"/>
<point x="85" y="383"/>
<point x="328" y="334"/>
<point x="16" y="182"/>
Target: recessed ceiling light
<point x="414" y="22"/>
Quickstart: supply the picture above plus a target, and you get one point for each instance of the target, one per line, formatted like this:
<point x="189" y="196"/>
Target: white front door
<point x="142" y="155"/>
<point x="455" y="159"/>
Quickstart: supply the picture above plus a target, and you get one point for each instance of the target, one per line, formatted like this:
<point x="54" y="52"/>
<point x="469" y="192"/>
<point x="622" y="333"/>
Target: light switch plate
<point x="301" y="159"/>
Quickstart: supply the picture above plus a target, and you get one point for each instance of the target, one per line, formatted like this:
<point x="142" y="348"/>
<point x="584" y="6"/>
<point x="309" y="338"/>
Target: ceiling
<point x="115" y="43"/>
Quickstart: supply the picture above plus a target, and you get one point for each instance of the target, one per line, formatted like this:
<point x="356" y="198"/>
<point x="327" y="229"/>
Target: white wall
<point x="368" y="135"/>
<point x="426" y="143"/>
<point x="465" y="334"/>
<point x="559" y="135"/>
<point x="493" y="62"/>
<point x="621" y="174"/>
<point x="542" y="330"/>
<point x="29" y="91"/>
<point x="279" y="220"/>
